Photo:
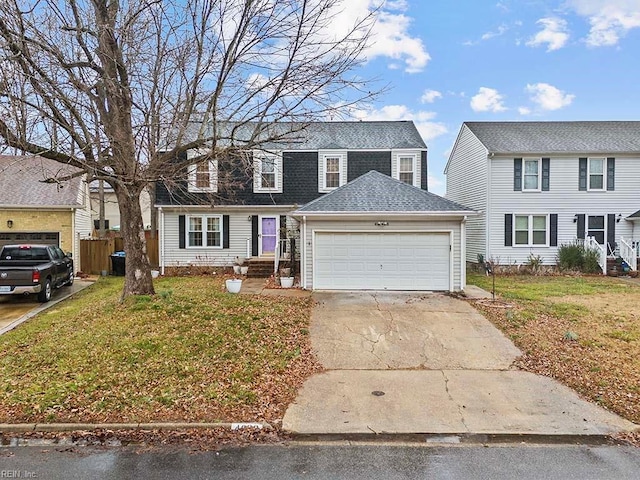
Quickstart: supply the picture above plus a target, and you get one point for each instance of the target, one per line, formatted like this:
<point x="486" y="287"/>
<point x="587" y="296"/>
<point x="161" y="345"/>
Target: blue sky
<point x="452" y="61"/>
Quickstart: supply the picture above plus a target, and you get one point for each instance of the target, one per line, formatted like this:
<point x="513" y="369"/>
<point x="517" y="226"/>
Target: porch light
<point x="10" y="223"/>
<point x="575" y="218"/>
<point x="619" y="218"/>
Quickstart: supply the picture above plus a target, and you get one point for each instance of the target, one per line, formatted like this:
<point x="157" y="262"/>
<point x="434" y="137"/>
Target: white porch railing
<point x="628" y="254"/>
<point x="591" y="243"/>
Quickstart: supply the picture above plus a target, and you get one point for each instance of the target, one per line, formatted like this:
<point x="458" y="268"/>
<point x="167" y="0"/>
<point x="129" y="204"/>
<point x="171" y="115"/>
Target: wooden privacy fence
<point x="95" y="253"/>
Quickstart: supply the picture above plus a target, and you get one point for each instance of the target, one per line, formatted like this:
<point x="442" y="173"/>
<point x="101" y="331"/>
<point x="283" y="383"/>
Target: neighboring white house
<point x="538" y="185"/>
<point x="111" y="209"/>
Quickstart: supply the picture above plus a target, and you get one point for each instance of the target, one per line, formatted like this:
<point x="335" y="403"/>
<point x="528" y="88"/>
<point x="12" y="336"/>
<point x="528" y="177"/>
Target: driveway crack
<point x="460" y="409"/>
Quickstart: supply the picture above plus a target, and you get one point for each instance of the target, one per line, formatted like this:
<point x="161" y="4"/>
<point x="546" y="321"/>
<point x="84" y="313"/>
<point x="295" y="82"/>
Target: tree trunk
<point x="102" y="231"/>
<point x="138" y="271"/>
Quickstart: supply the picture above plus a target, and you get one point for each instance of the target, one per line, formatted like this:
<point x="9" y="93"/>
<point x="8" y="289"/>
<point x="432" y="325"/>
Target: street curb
<point x="73" y="427"/>
<point x="459" y="438"/>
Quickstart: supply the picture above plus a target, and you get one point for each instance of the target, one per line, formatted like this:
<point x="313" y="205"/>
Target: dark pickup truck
<point x="26" y="269"/>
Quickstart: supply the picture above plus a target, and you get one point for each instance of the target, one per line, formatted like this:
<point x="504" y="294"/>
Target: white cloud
<point x="487" y="100"/>
<point x="553" y="34"/>
<point x="422" y="119"/>
<point x="609" y="19"/>
<point x="390" y="34"/>
<point x="430" y="96"/>
<point x="524" y="111"/>
<point x="501" y="31"/>
<point x="548" y="97"/>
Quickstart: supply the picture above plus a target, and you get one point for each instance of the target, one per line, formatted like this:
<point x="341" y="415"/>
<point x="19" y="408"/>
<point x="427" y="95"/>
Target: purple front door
<point x="268" y="235"/>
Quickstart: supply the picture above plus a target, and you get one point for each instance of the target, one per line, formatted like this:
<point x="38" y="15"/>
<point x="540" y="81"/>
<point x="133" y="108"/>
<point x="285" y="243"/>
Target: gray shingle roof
<point x="21" y="182"/>
<point x="377" y="192"/>
<point x="555" y="137"/>
<point x="635" y="215"/>
<point x="330" y="135"/>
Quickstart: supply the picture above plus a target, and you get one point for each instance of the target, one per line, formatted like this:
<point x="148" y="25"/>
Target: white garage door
<point x="381" y="261"/>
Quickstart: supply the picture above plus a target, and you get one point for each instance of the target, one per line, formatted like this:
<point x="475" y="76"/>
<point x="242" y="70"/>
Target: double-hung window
<point x="531" y="230"/>
<point x="203" y="176"/>
<point x="331" y="170"/>
<point x="406" y="169"/>
<point x="204" y="231"/>
<point x="596" y="173"/>
<point x="268" y="172"/>
<point x="531" y="174"/>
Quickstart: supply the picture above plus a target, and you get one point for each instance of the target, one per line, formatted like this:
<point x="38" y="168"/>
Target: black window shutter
<point x="508" y="230"/>
<point x="181" y="232"/>
<point x="611" y="174"/>
<point x="225" y="231"/>
<point x="553" y="230"/>
<point x="545" y="174"/>
<point x="517" y="174"/>
<point x="581" y="220"/>
<point x="611" y="231"/>
<point x="254" y="236"/>
<point x="582" y="175"/>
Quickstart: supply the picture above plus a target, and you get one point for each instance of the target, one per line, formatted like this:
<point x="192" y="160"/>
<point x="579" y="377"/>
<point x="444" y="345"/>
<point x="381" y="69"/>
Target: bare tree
<point x="123" y="88"/>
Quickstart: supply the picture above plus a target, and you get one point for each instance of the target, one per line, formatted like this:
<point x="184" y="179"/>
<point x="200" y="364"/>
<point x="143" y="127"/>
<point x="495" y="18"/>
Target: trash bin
<point x="117" y="263"/>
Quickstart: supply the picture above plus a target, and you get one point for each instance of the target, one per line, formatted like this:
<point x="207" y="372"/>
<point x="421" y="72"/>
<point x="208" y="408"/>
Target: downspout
<point x="303" y="251"/>
<point x="463" y="253"/>
<point x="74" y="242"/>
<point x="161" y="240"/>
<point x="487" y="213"/>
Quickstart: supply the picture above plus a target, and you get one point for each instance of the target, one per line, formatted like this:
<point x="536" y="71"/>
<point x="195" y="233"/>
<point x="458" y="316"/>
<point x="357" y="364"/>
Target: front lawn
<point x="583" y="331"/>
<point x="190" y="353"/>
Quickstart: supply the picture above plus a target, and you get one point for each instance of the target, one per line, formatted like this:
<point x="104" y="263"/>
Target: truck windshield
<point x="15" y="253"/>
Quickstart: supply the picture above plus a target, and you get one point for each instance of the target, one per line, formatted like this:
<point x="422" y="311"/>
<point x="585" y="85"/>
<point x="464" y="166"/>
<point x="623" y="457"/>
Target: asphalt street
<point x="334" y="461"/>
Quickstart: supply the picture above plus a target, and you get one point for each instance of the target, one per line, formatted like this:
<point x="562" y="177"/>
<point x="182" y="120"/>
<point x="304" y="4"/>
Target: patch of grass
<point x="582" y="331"/>
<point x="190" y="353"/>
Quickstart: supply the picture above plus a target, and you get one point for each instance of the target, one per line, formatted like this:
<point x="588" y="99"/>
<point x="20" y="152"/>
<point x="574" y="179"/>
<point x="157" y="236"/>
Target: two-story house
<point x="538" y="185"/>
<point x="354" y="196"/>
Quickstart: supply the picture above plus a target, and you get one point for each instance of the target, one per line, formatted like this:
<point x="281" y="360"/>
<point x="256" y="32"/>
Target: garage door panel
<point x="376" y="261"/>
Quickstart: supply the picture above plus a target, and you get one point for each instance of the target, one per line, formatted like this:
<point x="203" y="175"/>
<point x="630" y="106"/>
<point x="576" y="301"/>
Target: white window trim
<point x="341" y="155"/>
<point x="524" y="169"/>
<point x="204" y="232"/>
<point x="258" y="156"/>
<point x="395" y="168"/>
<point x="530" y="243"/>
<point x="604" y="174"/>
<point x="213" y="174"/>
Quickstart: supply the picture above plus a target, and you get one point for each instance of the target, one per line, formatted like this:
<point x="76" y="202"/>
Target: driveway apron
<point x="427" y="363"/>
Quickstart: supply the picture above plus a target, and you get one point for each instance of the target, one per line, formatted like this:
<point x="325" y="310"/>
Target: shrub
<point x="575" y="256"/>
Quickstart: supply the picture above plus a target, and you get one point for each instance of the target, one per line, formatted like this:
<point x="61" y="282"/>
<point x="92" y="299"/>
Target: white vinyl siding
<point x="563" y="199"/>
<point x="332" y="169"/>
<point x="405" y="166"/>
<point x="397" y="226"/>
<point x="239" y="234"/>
<point x="83" y="224"/>
<point x="467" y="176"/>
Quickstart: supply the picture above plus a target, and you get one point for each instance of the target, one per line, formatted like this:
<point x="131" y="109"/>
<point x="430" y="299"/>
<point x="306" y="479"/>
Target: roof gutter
<point x="452" y="213"/>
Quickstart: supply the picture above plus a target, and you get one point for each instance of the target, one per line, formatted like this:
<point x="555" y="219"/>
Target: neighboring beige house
<point x="111" y="210"/>
<point x="32" y="211"/>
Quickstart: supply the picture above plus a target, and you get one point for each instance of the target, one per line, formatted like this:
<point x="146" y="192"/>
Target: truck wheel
<point x="45" y="293"/>
<point x="69" y="282"/>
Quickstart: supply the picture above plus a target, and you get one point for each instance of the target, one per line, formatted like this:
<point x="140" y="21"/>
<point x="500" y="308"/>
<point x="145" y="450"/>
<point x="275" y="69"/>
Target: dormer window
<point x="405" y="166"/>
<point x="203" y="174"/>
<point x="267" y="172"/>
<point x="332" y="170"/>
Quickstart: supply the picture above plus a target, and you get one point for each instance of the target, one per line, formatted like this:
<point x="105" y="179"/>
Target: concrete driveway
<point x="383" y="330"/>
<point x="428" y="364"/>
<point x="17" y="309"/>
